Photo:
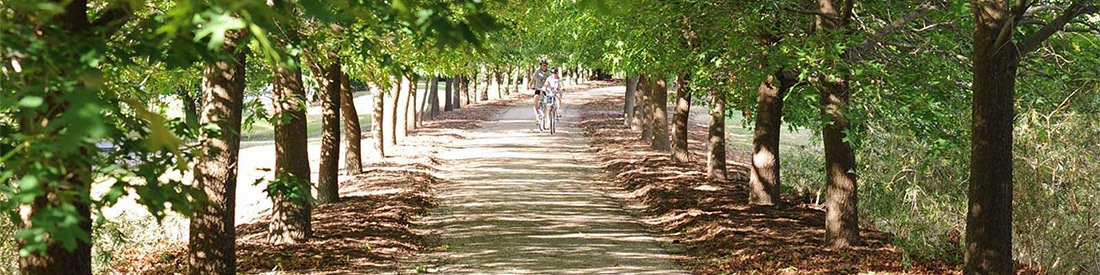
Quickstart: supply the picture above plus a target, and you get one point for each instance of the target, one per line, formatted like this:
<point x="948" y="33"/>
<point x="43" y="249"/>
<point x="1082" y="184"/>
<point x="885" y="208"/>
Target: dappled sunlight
<point x="721" y="232"/>
<point x="522" y="201"/>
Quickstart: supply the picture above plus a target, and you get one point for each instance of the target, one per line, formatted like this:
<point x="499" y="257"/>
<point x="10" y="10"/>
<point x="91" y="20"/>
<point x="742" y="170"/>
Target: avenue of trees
<point x="915" y="103"/>
<point x="960" y="126"/>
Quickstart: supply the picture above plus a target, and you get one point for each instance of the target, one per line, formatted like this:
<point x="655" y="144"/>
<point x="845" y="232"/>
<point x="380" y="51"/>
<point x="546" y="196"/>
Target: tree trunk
<point x="292" y="205"/>
<point x="466" y="89"/>
<point x="764" y="177"/>
<point x="486" y="80"/>
<point x="460" y="91"/>
<point x="680" y="121"/>
<point x="716" y="137"/>
<point x="841" y="201"/>
<point x="645" y="109"/>
<point x="499" y="80"/>
<point x="378" y="122"/>
<point x="989" y="213"/>
<point x="72" y="175"/>
<point x="395" y="110"/>
<point x="448" y="95"/>
<point x="328" y="184"/>
<point x="628" y="104"/>
<point x="659" y="102"/>
<point x="57" y="259"/>
<point x="190" y="106"/>
<point x="517" y="80"/>
<point x="353" y="132"/>
<point x="841" y="215"/>
<point x="425" y="106"/>
<point x="473" y="90"/>
<point x="410" y="105"/>
<point x="211" y="249"/>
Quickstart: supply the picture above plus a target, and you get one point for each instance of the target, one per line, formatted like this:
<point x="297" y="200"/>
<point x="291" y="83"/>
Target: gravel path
<point x="520" y="201"/>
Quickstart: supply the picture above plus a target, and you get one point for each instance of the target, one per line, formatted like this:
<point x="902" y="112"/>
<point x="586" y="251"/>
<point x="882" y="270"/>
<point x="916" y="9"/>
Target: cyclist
<point x="539" y="82"/>
<point x="554" y="90"/>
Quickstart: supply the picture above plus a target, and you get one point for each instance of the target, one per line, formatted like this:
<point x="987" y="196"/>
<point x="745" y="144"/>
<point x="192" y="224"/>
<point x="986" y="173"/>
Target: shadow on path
<point x="524" y="201"/>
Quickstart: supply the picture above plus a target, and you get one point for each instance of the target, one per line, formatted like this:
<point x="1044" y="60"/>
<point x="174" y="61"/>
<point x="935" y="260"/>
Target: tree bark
<point x="628" y="104"/>
<point x="645" y="109"/>
<point x="764" y="179"/>
<point x="395" y="110"/>
<point x="211" y="249"/>
<point x="353" y="132"/>
<point x="841" y="215"/>
<point x="989" y="213"/>
<point x="290" y="219"/>
<point x="499" y="80"/>
<point x="716" y="137"/>
<point x="75" y="175"/>
<point x="472" y="96"/>
<point x="403" y="111"/>
<point x="328" y="185"/>
<point x="841" y="201"/>
<point x="680" y="152"/>
<point x="424" y="110"/>
<point x="466" y="80"/>
<point x="378" y="122"/>
<point x="486" y="81"/>
<point x="659" y="102"/>
<point x="57" y="259"/>
<point x="517" y="76"/>
<point x="190" y="105"/>
<point x="410" y="104"/>
<point x="448" y="95"/>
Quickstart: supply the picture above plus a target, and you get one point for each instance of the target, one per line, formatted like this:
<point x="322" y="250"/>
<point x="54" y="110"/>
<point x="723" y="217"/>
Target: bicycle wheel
<point x="553" y="121"/>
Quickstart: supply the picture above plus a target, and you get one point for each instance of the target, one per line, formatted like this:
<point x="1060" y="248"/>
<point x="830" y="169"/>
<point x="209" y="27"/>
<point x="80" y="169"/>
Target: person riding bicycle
<point x="554" y="89"/>
<point x="539" y="82"/>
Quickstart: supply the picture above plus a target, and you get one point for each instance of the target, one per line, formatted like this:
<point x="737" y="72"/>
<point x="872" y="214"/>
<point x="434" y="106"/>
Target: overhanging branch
<point x="1078" y="8"/>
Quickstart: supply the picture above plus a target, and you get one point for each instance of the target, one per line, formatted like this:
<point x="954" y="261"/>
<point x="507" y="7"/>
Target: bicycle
<point x="548" y="106"/>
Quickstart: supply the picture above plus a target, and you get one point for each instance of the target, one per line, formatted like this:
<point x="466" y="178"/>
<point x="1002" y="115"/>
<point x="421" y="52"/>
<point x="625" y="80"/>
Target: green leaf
<point x="160" y="137"/>
<point x="216" y="28"/>
<point x="31" y="101"/>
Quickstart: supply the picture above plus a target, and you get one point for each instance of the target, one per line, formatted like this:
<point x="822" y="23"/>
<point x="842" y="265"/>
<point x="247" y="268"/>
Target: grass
<point x="740" y="135"/>
<point x="264" y="131"/>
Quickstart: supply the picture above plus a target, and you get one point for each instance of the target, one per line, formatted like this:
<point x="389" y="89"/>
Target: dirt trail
<point x="521" y="201"/>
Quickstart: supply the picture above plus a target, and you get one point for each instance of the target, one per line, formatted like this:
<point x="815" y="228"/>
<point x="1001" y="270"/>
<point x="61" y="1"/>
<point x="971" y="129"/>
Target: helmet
<point x="553" y="70"/>
<point x="543" y="62"/>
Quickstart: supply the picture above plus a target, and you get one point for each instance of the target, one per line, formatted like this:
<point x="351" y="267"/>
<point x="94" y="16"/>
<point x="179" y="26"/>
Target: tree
<point x="378" y="121"/>
<point x="841" y="199"/>
<point x="645" y="108"/>
<point x="410" y="104"/>
<point x="211" y="249"/>
<point x="397" y="125"/>
<point x="448" y="95"/>
<point x="290" y="191"/>
<point x="764" y="174"/>
<point x="995" y="61"/>
<point x="353" y="133"/>
<point x="628" y="104"/>
<point x="716" y="136"/>
<point x="433" y="96"/>
<point x="680" y="151"/>
<point x="329" y="78"/>
<point x="659" y="104"/>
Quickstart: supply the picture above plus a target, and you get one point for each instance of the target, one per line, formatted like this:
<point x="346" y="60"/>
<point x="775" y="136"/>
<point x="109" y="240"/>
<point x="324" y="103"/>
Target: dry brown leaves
<point x="369" y="229"/>
<point x="467" y="117"/>
<point x="722" y="233"/>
